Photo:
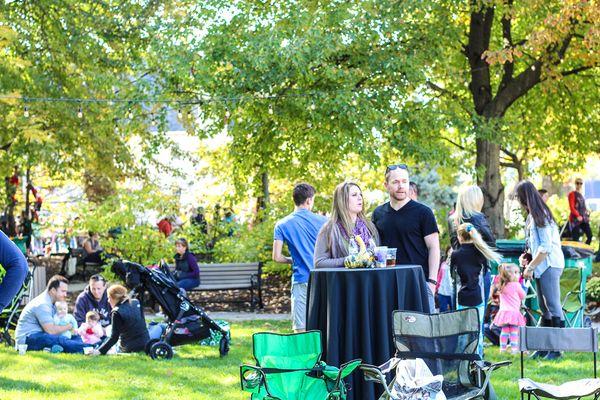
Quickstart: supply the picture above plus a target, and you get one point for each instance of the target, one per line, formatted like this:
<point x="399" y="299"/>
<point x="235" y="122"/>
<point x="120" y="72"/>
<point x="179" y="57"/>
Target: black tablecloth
<point x="353" y="310"/>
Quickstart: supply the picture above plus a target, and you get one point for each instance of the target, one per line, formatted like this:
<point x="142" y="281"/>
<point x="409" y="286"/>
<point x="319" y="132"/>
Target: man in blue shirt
<point x="15" y="265"/>
<point x="299" y="231"/>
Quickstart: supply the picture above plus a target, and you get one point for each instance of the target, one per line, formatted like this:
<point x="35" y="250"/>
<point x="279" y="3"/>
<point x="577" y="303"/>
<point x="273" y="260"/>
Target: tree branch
<point x="460" y="146"/>
<point x="448" y="93"/>
<point x="579" y="69"/>
<point x="509" y="67"/>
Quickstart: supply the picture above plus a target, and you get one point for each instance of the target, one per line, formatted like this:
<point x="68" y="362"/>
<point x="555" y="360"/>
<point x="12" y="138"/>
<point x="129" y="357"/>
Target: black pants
<point x="583" y="227"/>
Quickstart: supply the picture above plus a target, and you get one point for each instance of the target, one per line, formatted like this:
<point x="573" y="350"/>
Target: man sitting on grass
<point x="36" y="326"/>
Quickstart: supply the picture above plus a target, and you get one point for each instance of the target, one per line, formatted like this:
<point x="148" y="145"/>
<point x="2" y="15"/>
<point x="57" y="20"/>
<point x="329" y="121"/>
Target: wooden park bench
<point x="245" y="276"/>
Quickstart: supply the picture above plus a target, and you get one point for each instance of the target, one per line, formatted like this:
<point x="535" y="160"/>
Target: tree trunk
<point x="263" y="199"/>
<point x="11" y="227"/>
<point x="27" y="202"/>
<point x="489" y="179"/>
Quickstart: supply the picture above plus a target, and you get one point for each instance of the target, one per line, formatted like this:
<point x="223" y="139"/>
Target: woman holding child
<point x="348" y="222"/>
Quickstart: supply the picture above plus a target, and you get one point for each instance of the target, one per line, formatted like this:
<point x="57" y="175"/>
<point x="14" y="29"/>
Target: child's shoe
<point x="57" y="348"/>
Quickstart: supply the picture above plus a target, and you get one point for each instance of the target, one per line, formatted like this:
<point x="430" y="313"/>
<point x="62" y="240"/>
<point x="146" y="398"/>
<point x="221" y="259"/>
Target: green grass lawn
<point x="197" y="372"/>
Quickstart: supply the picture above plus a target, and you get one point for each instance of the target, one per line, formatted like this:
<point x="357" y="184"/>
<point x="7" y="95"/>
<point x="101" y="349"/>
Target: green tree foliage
<point x="302" y="86"/>
<point x="130" y="211"/>
<point x="77" y="49"/>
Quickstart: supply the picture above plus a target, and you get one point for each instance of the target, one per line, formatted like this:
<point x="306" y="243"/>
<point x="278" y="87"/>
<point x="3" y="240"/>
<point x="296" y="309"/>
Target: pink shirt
<point x="90" y="335"/>
<point x="511" y="297"/>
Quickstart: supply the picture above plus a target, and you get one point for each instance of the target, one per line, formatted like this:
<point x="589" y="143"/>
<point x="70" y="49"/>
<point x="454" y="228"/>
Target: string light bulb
<point x="189" y="114"/>
<point x="179" y="114"/>
<point x="354" y="102"/>
<point x="79" y="113"/>
<point x="153" y="122"/>
<point x="26" y="112"/>
<point x="116" y="128"/>
<point x="227" y="113"/>
<point x="313" y="107"/>
<point x="130" y="114"/>
<point x="270" y="110"/>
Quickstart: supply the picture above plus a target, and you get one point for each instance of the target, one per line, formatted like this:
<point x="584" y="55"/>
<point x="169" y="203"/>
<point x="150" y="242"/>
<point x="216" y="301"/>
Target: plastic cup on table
<point x="391" y="257"/>
<point x="22" y="348"/>
<point x="380" y="256"/>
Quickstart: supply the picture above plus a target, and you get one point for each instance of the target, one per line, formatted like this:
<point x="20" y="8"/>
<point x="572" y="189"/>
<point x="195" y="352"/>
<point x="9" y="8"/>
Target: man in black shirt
<point x="409" y="226"/>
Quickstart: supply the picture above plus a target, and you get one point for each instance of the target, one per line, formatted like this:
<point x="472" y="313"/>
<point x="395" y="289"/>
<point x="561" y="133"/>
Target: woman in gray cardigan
<point x="347" y="221"/>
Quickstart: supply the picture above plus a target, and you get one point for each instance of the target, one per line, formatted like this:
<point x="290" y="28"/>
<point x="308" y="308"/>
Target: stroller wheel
<point x="224" y="346"/>
<point x="161" y="350"/>
<point x="149" y="345"/>
<point x="7" y="339"/>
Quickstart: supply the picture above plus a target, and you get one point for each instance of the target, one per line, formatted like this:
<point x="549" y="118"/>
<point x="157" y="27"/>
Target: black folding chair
<point x="559" y="339"/>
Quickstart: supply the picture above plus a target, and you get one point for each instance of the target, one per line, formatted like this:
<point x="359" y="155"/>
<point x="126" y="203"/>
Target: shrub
<point x="593" y="289"/>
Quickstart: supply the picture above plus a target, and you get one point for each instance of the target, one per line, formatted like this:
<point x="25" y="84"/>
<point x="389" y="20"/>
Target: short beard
<point x="395" y="195"/>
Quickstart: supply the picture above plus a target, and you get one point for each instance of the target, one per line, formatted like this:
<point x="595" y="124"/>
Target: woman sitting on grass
<point x="127" y="321"/>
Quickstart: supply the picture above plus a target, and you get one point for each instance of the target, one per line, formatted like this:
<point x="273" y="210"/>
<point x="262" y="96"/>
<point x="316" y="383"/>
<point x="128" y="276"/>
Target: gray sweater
<point x="326" y="257"/>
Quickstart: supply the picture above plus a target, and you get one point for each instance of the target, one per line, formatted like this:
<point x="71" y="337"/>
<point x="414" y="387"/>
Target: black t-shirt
<point x="405" y="229"/>
<point x="468" y="262"/>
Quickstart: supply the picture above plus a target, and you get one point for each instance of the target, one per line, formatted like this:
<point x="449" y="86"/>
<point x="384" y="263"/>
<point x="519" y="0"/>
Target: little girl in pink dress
<point x="509" y="316"/>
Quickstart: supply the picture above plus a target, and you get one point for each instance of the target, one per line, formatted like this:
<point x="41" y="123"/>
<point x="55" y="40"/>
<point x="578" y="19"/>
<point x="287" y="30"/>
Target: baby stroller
<point x="10" y="315"/>
<point x="187" y="322"/>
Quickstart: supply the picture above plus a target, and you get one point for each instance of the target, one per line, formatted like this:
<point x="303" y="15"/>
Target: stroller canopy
<point x="159" y="283"/>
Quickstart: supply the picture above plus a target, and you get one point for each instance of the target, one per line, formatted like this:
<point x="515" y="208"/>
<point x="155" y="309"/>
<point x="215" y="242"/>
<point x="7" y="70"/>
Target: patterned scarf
<point x="360" y="229"/>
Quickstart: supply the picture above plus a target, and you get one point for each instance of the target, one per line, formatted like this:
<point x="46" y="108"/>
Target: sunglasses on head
<point x="396" y="166"/>
<point x="97" y="278"/>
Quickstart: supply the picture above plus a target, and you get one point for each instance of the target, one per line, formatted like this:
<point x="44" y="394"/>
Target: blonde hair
<point x="504" y="271"/>
<point x="92" y="316"/>
<point x="468" y="202"/>
<point x="340" y="212"/>
<point x="117" y="293"/>
<point x="468" y="233"/>
<point x="61" y="304"/>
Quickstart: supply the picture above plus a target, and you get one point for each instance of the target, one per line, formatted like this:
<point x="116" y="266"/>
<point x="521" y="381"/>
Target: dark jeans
<point x="188" y="283"/>
<point x="444" y="302"/>
<point x="95" y="258"/>
<point x="40" y="340"/>
<point x="583" y="227"/>
<point x="487" y="284"/>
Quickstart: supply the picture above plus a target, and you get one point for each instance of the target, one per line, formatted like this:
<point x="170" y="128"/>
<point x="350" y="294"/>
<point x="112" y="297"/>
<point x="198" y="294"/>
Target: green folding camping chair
<point x="572" y="289"/>
<point x="289" y="367"/>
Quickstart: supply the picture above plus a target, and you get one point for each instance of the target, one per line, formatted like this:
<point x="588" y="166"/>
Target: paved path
<point x="238" y="316"/>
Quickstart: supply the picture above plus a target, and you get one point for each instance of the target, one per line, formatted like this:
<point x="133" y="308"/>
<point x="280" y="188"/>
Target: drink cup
<point x="391" y="257"/>
<point x="22" y="349"/>
<point x="380" y="256"/>
<point x="88" y="350"/>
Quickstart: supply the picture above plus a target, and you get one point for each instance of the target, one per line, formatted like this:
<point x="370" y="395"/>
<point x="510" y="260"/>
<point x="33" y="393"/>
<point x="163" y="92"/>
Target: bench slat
<point x="227" y="274"/>
<point x="225" y="266"/>
<point x="220" y="287"/>
<point x="216" y="281"/>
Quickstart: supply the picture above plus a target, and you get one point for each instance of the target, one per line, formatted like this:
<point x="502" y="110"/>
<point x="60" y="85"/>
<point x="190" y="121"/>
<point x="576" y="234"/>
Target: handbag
<point x="414" y="380"/>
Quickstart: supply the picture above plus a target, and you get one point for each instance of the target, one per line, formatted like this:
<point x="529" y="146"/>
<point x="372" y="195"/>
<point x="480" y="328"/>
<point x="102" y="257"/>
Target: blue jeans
<point x="487" y="284"/>
<point x="445" y="302"/>
<point x="481" y="309"/>
<point x="188" y="283"/>
<point x="40" y="340"/>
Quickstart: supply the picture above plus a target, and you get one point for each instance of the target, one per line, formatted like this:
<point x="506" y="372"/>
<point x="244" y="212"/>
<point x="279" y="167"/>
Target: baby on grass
<point x="91" y="331"/>
<point x="62" y="318"/>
